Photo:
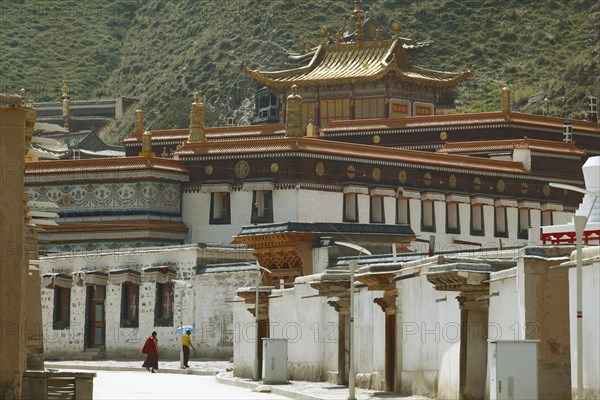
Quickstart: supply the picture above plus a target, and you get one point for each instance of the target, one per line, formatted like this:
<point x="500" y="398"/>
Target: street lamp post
<point x="256" y="320"/>
<point x="579" y="221"/>
<point x="183" y="284"/>
<point x="352" y="265"/>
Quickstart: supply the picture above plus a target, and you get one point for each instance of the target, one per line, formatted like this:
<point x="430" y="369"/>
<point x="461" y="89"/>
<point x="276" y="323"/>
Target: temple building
<point x="360" y="73"/>
<point x="363" y="148"/>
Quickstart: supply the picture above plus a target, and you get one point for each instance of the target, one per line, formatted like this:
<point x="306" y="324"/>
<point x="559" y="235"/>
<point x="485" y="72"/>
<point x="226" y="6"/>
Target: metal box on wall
<point x="274" y="360"/>
<point x="514" y="370"/>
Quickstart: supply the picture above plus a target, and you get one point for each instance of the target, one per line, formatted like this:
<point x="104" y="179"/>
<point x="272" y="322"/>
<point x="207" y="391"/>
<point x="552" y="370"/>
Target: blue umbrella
<point x="185" y="329"/>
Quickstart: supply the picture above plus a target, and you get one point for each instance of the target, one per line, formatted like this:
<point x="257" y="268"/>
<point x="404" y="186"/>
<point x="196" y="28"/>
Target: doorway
<point x="390" y="351"/>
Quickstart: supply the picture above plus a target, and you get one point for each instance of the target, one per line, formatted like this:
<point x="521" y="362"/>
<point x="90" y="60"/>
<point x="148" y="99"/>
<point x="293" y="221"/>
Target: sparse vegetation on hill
<point x="547" y="51"/>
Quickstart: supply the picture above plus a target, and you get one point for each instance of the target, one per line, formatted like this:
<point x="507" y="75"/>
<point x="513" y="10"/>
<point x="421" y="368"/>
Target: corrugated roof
<point x="340" y="149"/>
<point x="105" y="164"/>
<point x="455" y="121"/>
<point x="544" y="146"/>
<point x="213" y="133"/>
<point x="354" y="62"/>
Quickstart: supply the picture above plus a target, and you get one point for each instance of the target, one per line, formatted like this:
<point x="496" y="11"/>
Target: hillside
<point x="161" y="51"/>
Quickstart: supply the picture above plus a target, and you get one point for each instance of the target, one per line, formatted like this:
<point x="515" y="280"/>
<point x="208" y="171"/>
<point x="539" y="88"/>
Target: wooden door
<point x="95" y="317"/>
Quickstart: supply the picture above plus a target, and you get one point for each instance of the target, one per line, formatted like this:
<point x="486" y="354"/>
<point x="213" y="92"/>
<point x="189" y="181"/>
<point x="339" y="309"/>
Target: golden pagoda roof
<point x="350" y="63"/>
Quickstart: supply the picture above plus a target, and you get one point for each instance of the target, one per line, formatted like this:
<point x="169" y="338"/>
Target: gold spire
<point x="293" y="117"/>
<point x="311" y="129"/>
<point x="139" y="122"/>
<point x="65" y="102"/>
<point x="505" y="99"/>
<point x="323" y="34"/>
<point x="147" y="145"/>
<point x="396" y="28"/>
<point x="358" y="19"/>
<point x="197" y="120"/>
<point x="164" y="153"/>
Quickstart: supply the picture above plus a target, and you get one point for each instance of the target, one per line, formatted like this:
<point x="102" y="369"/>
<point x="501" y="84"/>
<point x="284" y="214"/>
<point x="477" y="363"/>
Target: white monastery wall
<point x="591" y="316"/>
<point x="369" y="333"/>
<point x="428" y="339"/>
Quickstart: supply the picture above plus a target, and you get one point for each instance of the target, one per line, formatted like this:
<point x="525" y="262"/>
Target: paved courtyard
<point x="204" y="380"/>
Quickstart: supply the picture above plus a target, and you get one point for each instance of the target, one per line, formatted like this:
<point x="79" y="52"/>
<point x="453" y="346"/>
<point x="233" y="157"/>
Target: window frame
<point x="426" y="228"/>
<point x="407" y="200"/>
<point x="523" y="233"/>
<point x="262" y="213"/>
<point x="372" y="210"/>
<point x="61" y="318"/>
<point x="348" y="196"/>
<point x="163" y="309"/>
<point x="497" y="233"/>
<point x="547" y="215"/>
<point x="128" y="320"/>
<point x="457" y="217"/>
<point x="481" y="231"/>
<point x="223" y="219"/>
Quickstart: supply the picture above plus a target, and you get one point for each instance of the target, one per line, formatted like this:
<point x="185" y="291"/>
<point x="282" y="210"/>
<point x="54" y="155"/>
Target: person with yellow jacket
<point x="186" y="343"/>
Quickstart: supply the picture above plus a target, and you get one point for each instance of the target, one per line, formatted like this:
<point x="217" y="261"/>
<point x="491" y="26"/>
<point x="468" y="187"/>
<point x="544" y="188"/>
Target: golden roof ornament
<point x="164" y="153"/>
<point x="197" y="120"/>
<point x="307" y="47"/>
<point x="147" y="145"/>
<point x="293" y="114"/>
<point x="25" y="102"/>
<point x="396" y="28"/>
<point x="323" y="34"/>
<point x="139" y="122"/>
<point x="358" y="19"/>
<point x="65" y="90"/>
<point x="339" y="36"/>
<point x="505" y="99"/>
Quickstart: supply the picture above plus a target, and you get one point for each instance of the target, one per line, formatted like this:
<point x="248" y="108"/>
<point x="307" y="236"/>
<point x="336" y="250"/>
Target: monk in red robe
<point x="150" y="349"/>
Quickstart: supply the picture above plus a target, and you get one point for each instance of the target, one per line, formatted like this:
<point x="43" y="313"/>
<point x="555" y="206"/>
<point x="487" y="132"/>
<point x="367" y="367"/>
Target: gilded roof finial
<point x="307" y="47"/>
<point x="65" y="90"/>
<point x="396" y="28"/>
<point x="358" y="19"/>
<point x="293" y="119"/>
<point x="505" y="99"/>
<point x="139" y="122"/>
<point x="65" y="103"/>
<point x="147" y="145"/>
<point x="22" y="93"/>
<point x="323" y="34"/>
<point x="164" y="153"/>
<point x="197" y="120"/>
<point x="339" y="36"/>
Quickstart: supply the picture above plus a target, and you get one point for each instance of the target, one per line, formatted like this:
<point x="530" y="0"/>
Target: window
<point x="402" y="211"/>
<point x="163" y="311"/>
<point x="350" y="207"/>
<point x="500" y="229"/>
<point x="62" y="308"/>
<point x="477" y="227"/>
<point x="220" y="208"/>
<point x="427" y="216"/>
<point x="523" y="223"/>
<point x="262" y="207"/>
<point x="547" y="218"/>
<point x="377" y="211"/>
<point x="129" y="305"/>
<point x="452" y="218"/>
